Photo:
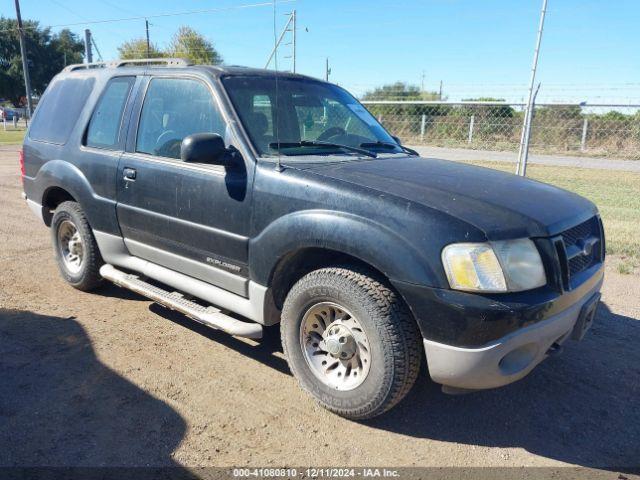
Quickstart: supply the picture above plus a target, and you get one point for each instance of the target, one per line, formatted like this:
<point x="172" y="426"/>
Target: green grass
<point x="617" y="195"/>
<point x="11" y="136"/>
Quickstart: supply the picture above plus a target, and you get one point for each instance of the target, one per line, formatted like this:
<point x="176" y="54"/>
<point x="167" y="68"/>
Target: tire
<point x="392" y="337"/>
<point x="85" y="273"/>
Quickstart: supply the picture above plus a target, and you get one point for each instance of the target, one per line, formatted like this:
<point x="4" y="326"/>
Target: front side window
<point x="104" y="126"/>
<point x="295" y="115"/>
<point x="175" y="108"/>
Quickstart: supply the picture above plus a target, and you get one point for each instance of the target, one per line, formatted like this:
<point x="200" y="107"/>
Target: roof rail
<point x="81" y="66"/>
<point x="168" y="62"/>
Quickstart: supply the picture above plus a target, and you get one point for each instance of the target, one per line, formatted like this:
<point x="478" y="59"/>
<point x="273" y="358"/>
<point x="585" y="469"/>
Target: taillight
<point x="21" y="160"/>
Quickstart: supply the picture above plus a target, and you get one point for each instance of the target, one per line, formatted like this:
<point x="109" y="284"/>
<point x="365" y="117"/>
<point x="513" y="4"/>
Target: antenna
<point x="275" y="53"/>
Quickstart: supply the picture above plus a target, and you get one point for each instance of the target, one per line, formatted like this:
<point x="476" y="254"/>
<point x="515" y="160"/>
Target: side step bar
<point x="209" y="316"/>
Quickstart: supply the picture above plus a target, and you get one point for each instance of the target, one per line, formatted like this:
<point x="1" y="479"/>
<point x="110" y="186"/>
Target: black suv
<point x="244" y="198"/>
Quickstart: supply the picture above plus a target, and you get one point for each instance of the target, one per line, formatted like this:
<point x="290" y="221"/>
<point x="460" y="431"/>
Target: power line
<point x="117" y="7"/>
<point x="160" y="15"/>
<point x="76" y="14"/>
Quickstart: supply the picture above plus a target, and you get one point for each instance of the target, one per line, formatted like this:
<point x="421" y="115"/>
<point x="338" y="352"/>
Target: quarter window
<point x="58" y="111"/>
<point x="104" y="126"/>
<point x="174" y="108"/>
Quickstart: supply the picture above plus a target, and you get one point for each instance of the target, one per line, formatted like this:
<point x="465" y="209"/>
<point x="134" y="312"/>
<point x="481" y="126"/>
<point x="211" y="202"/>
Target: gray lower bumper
<point x="505" y="360"/>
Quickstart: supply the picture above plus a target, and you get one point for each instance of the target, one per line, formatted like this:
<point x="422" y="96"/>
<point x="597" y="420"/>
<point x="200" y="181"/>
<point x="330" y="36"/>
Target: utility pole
<point x="88" y="54"/>
<point x="293" y="15"/>
<point x="523" y="152"/>
<point x="25" y="63"/>
<point x="146" y="24"/>
<point x="422" y="82"/>
<point x="291" y="21"/>
<point x="327" y="70"/>
<point x="95" y="45"/>
<point x="440" y="92"/>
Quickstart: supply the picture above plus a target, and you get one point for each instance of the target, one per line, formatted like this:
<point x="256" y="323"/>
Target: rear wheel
<point x="350" y="341"/>
<point x="75" y="248"/>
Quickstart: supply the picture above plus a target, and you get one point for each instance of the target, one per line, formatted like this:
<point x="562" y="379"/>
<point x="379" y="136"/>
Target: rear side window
<point x="104" y="126"/>
<point x="59" y="109"/>
<point x="174" y="108"/>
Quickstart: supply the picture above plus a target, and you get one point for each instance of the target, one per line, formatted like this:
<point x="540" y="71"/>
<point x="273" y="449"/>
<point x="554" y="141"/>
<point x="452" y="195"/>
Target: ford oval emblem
<point x="586" y="245"/>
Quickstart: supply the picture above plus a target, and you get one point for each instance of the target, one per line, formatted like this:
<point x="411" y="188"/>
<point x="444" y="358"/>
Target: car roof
<point x="138" y="67"/>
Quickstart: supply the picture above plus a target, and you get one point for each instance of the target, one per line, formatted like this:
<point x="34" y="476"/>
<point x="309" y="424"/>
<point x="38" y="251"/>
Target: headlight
<point x="505" y="266"/>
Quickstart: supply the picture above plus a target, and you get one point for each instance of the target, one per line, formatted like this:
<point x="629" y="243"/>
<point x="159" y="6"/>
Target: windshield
<point x="307" y="118"/>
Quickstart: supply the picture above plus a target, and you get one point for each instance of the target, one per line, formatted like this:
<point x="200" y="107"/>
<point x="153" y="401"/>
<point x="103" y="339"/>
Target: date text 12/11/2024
<point x="315" y="472"/>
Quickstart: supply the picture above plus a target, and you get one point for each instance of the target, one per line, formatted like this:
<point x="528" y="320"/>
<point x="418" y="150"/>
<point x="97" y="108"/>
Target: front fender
<point x="371" y="242"/>
<point x="100" y="211"/>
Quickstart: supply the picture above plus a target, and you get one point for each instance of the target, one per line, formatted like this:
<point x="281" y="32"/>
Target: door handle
<point x="129" y="174"/>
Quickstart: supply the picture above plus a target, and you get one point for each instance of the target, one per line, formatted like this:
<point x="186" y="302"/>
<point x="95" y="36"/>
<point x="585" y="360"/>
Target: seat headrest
<point x="259" y="123"/>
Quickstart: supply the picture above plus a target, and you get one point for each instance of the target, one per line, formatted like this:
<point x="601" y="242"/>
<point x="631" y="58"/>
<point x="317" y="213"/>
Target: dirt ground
<point x="111" y="379"/>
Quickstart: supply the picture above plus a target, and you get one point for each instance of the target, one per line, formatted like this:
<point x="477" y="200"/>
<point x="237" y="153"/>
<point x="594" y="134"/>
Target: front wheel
<point x="75" y="248"/>
<point x="350" y="341"/>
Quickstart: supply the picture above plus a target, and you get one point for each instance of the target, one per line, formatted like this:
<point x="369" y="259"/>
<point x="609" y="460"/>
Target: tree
<point x="189" y="44"/>
<point x="69" y="47"/>
<point x="406" y="117"/>
<point x="499" y="111"/>
<point x="137" y="48"/>
<point x="186" y="43"/>
<point x="45" y="57"/>
<point x="400" y="91"/>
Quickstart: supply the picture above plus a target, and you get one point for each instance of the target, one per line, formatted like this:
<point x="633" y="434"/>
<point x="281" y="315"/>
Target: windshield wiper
<point x="408" y="150"/>
<point x="315" y="143"/>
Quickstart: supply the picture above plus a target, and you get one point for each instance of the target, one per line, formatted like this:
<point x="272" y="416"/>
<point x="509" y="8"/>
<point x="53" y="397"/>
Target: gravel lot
<point x="111" y="379"/>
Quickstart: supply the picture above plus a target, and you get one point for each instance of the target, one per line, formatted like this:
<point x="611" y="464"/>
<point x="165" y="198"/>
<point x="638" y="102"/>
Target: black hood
<point x="500" y="204"/>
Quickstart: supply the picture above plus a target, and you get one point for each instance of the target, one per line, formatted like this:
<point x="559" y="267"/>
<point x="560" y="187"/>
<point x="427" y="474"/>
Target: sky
<point x="590" y="49"/>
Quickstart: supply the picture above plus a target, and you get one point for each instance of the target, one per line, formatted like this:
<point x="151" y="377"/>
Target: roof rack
<point x="81" y="66"/>
<point x="167" y="62"/>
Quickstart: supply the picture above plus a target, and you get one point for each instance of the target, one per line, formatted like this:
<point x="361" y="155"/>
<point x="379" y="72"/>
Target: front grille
<point x="581" y="263"/>
<point x="583" y="230"/>
<point x="580" y="248"/>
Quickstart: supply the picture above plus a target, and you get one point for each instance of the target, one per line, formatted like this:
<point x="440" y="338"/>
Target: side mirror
<point x="397" y="139"/>
<point x="203" y="148"/>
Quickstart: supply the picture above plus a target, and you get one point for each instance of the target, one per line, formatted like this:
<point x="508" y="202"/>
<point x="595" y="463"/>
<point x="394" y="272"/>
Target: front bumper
<point x="473" y="320"/>
<point x="509" y="358"/>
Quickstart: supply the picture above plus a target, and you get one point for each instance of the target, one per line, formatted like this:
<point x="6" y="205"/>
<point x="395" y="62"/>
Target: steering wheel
<point x="331" y="132"/>
<point x="170" y="148"/>
<point x="164" y="137"/>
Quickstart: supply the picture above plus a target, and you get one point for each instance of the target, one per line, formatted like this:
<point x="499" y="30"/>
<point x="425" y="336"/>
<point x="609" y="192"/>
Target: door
<point x="191" y="218"/>
<point x="102" y="144"/>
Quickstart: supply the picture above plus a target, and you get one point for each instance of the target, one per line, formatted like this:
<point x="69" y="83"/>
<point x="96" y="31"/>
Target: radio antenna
<point x="276" y="119"/>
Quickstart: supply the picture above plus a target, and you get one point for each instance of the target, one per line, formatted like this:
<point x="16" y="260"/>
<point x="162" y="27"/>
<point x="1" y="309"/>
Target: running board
<point x="209" y="316"/>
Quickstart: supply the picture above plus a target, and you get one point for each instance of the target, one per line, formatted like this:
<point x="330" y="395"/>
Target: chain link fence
<point x="561" y="129"/>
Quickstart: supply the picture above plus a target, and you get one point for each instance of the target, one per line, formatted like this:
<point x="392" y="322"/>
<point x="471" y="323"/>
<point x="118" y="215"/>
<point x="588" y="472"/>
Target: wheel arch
<point x="51" y="198"/>
<point x="339" y="233"/>
<point x="296" y="264"/>
<point x="58" y="181"/>
<point x="301" y="242"/>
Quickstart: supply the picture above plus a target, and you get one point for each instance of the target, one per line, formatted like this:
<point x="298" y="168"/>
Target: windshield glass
<point x="307" y="118"/>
